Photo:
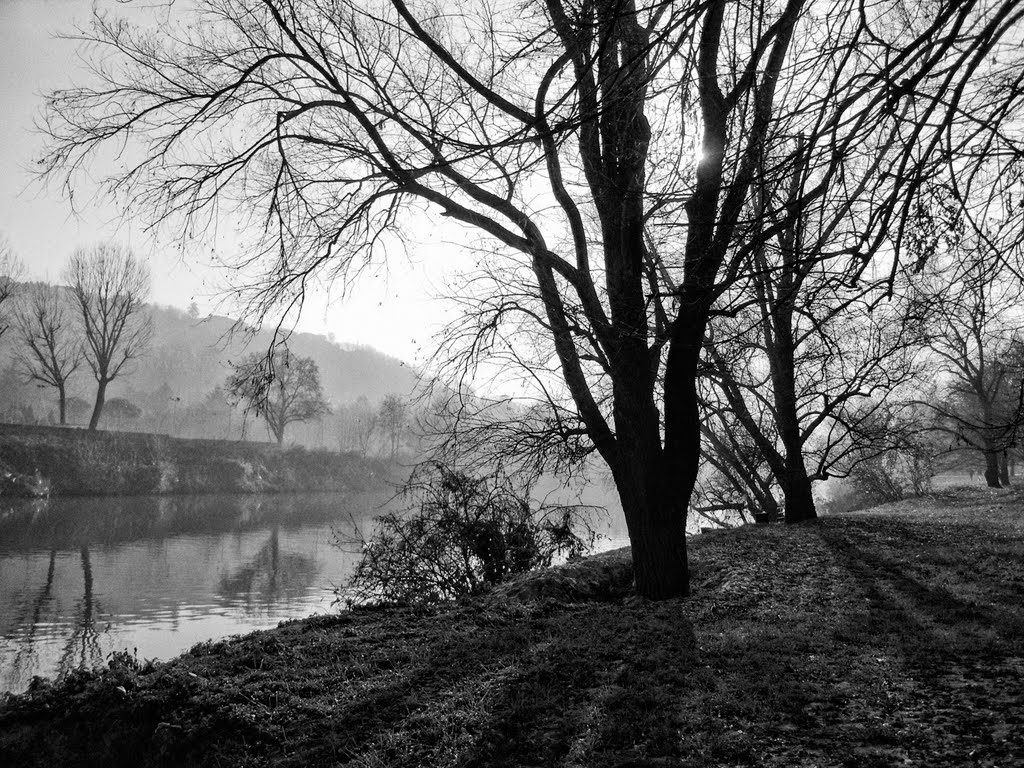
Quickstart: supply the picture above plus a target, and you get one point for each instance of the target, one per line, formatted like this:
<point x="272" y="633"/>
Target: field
<point x="886" y="638"/>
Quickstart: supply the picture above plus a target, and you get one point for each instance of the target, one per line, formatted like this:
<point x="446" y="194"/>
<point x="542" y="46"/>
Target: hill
<point x="177" y="384"/>
<point x="892" y="637"/>
<point x="191" y="356"/>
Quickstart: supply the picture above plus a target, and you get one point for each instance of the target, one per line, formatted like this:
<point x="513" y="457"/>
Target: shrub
<point x="463" y="535"/>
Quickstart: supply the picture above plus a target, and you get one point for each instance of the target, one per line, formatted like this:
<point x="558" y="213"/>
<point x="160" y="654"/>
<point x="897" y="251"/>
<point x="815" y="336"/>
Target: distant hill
<point x="178" y="384"/>
<point x="192" y="357"/>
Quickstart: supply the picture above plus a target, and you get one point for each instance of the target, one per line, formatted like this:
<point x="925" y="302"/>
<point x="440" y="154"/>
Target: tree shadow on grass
<point x="589" y="684"/>
<point x="920" y="605"/>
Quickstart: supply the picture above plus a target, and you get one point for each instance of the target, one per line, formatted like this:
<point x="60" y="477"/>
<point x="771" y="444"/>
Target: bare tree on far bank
<point x="283" y="388"/>
<point x="110" y="287"/>
<point x="49" y="351"/>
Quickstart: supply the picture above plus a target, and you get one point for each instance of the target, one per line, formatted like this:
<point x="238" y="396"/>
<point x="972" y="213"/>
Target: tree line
<point x="103" y="327"/>
<point x="99" y="323"/>
<point x="707" y="231"/>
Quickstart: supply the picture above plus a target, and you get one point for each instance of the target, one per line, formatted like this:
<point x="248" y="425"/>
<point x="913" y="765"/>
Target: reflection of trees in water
<point x="270" y="575"/>
<point x="26" y="657"/>
<point x="64" y="522"/>
<point x="82" y="648"/>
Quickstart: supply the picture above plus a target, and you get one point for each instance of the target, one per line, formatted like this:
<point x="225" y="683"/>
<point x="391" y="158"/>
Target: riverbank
<point x="892" y="637"/>
<point x="76" y="462"/>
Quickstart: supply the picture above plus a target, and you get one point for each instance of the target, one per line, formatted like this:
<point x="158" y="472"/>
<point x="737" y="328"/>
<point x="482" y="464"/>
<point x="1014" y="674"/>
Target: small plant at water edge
<point x="463" y="535"/>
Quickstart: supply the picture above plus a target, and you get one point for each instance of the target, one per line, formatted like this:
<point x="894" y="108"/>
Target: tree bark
<point x="799" y="497"/>
<point x="97" y="409"/>
<point x="992" y="468"/>
<point x="655" y="515"/>
<point x="1004" y="469"/>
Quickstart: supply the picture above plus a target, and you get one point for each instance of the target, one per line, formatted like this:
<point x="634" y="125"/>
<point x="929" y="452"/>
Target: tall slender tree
<point x="110" y="287"/>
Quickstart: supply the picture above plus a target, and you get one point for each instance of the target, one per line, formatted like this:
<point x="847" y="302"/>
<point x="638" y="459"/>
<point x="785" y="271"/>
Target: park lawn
<point x="888" y="638"/>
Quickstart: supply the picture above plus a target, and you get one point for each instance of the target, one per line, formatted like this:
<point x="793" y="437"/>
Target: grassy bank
<point x="76" y="462"/>
<point x="888" y="638"/>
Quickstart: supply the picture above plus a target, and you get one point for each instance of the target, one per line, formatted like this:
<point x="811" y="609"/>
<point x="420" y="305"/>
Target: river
<point x="83" y="578"/>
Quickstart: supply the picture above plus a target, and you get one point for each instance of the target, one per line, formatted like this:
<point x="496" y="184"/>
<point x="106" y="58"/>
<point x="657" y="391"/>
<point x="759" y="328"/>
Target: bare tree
<point x="110" y="287"/>
<point x="392" y="420"/>
<point x="561" y="133"/>
<point x="976" y="337"/>
<point x="12" y="270"/>
<point x="283" y="388"/>
<point x="50" y="353"/>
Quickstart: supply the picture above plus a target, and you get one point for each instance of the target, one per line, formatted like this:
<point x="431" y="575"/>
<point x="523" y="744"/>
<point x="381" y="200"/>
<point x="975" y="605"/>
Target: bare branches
<point x="283" y="388"/>
<point x="51" y="348"/>
<point x="565" y="137"/>
<point x="110" y="287"/>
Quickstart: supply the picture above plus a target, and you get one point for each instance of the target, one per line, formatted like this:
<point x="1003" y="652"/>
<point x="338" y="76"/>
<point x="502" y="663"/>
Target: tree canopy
<point x="284" y="389"/>
<point x="620" y="164"/>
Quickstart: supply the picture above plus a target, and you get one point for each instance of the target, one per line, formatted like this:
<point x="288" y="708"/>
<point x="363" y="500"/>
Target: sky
<point x="394" y="311"/>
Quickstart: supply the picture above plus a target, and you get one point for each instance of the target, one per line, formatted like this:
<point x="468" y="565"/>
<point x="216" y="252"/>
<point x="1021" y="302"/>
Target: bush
<point x="464" y="535"/>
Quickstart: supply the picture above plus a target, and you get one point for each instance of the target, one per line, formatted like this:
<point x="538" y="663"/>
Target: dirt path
<point x="885" y="639"/>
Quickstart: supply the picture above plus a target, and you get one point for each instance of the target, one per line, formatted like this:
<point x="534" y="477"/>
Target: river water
<point x="83" y="578"/>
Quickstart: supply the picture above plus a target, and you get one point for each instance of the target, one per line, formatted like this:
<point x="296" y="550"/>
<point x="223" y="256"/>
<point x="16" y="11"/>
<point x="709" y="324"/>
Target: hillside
<point x="191" y="356"/>
<point x="887" y="638"/>
<point x="177" y="384"/>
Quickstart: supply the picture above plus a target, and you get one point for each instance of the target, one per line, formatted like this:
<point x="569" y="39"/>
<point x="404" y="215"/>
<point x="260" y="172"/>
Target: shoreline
<point x="69" y="461"/>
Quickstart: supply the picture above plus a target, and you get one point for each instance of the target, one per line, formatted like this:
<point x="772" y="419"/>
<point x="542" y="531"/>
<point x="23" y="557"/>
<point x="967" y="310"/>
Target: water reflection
<point x="269" y="575"/>
<point x="81" y="578"/>
<point x="82" y="648"/>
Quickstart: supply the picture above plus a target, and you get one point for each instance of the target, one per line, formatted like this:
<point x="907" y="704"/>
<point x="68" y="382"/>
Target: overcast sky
<point x="392" y="311"/>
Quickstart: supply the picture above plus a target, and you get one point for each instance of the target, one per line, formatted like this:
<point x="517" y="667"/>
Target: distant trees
<point x="12" y="268"/>
<point x="122" y="410"/>
<point x="392" y="421"/>
<point x="50" y="351"/>
<point x="283" y="388"/>
<point x="977" y="344"/>
<point x="110" y="287"/>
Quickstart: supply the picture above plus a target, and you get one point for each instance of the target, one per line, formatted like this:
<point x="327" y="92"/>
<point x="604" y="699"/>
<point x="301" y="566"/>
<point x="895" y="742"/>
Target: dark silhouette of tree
<point x="282" y="388"/>
<point x="641" y="123"/>
<point x="50" y="350"/>
<point x="110" y="287"/>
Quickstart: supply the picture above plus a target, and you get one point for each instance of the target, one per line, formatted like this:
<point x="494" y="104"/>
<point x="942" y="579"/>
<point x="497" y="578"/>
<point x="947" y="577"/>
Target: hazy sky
<point x="392" y="311"/>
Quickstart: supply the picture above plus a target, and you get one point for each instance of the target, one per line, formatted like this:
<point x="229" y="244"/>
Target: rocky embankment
<point x="76" y="462"/>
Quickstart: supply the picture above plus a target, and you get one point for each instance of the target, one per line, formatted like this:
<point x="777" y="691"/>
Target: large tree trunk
<point x="655" y="512"/>
<point x="97" y="409"/>
<point x="991" y="468"/>
<point x="799" y="497"/>
<point x="1004" y="469"/>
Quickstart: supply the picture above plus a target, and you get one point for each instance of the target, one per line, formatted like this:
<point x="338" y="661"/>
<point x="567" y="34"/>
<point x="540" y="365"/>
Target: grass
<point x="888" y="638"/>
